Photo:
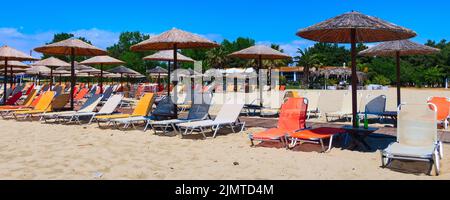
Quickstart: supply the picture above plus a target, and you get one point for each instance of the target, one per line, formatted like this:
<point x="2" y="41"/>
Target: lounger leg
<point x="441" y="150"/>
<point x="243" y="126"/>
<point x="92" y="119"/>
<point x="436" y="163"/>
<point x="330" y="145"/>
<point x="323" y="146"/>
<point x="232" y="128"/>
<point x="203" y="133"/>
<point x="146" y="125"/>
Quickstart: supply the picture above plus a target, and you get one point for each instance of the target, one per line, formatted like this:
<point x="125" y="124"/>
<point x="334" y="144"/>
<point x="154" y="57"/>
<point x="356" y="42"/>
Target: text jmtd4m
<point x="225" y="190"/>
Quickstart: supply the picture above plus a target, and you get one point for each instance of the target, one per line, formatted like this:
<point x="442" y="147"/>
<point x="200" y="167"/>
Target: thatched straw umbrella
<point x="158" y="71"/>
<point x="173" y="40"/>
<point x="37" y="71"/>
<point x="167" y="55"/>
<point x="122" y="70"/>
<point x="354" y="27"/>
<point x="72" y="47"/>
<point x="14" y="68"/>
<point x="9" y="54"/>
<point x="260" y="53"/>
<point x="51" y="63"/>
<point x="396" y="49"/>
<point x="102" y="60"/>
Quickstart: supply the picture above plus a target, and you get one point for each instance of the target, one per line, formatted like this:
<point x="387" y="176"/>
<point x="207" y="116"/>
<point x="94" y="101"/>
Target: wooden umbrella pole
<point x="259" y="82"/>
<point x="51" y="77"/>
<point x="354" y="78"/>
<point x="175" y="67"/>
<point x="399" y="98"/>
<point x="101" y="78"/>
<point x="5" y="80"/>
<point x="72" y="79"/>
<point x="60" y="77"/>
<point x="11" y="77"/>
<point x="168" y="85"/>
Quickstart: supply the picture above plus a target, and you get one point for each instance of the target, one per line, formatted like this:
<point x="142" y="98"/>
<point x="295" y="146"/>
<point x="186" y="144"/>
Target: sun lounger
<point x="376" y="107"/>
<point x="107" y="109"/>
<point x="42" y="106"/>
<point x="228" y="116"/>
<point x="13" y="99"/>
<point x="26" y="103"/>
<point x="80" y="95"/>
<point x="316" y="136"/>
<point x="293" y="116"/>
<point x="197" y="112"/>
<point x="443" y="109"/>
<point x="417" y="137"/>
<point x="345" y="110"/>
<point x="142" y="109"/>
<point x="88" y="107"/>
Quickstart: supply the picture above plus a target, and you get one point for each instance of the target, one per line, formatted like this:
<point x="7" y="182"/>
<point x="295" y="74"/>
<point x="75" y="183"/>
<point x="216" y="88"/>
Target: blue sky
<point x="27" y="25"/>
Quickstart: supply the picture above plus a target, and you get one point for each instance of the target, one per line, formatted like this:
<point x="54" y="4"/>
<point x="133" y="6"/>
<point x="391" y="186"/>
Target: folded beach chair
<point x="315" y="136"/>
<point x="443" y="109"/>
<point x="197" y="112"/>
<point x="376" y="107"/>
<point x="228" y="116"/>
<point x="88" y="107"/>
<point x="42" y="106"/>
<point x="417" y="137"/>
<point x="108" y="108"/>
<point x="293" y="116"/>
<point x="142" y="109"/>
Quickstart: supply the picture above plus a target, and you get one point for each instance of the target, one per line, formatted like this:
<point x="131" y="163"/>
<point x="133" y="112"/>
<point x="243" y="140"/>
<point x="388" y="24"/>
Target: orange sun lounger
<point x="316" y="136"/>
<point x="292" y="119"/>
<point x="443" y="109"/>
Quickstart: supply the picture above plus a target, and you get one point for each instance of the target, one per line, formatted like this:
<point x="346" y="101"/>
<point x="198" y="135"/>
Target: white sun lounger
<point x="89" y="106"/>
<point x="228" y="115"/>
<point x="107" y="109"/>
<point x="417" y="137"/>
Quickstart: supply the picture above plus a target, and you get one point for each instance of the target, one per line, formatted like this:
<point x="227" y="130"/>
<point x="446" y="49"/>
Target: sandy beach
<point x="47" y="151"/>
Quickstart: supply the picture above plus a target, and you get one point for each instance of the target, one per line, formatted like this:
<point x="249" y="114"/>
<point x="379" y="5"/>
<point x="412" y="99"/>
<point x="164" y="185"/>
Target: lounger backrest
<point x="229" y="113"/>
<point x="59" y="102"/>
<point x="443" y="107"/>
<point x="165" y="107"/>
<point x="13" y="99"/>
<point x="81" y="94"/>
<point x="293" y="114"/>
<point x="198" y="111"/>
<point x="108" y="92"/>
<point x="29" y="100"/>
<point x="144" y="105"/>
<point x="111" y="105"/>
<point x="376" y="105"/>
<point x="91" y="104"/>
<point x="45" y="100"/>
<point x="417" y="125"/>
<point x="31" y="88"/>
<point x="58" y="90"/>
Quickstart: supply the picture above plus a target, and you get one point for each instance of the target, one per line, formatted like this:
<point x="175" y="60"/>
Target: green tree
<point x="308" y="60"/>
<point x="133" y="60"/>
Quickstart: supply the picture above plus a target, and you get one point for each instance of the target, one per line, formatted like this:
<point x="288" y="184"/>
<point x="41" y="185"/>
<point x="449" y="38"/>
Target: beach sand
<point x="45" y="151"/>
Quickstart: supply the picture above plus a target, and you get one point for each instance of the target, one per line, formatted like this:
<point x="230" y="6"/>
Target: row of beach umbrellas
<point x="352" y="28"/>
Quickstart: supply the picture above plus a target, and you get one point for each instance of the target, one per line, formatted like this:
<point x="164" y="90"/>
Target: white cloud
<point x="16" y="38"/>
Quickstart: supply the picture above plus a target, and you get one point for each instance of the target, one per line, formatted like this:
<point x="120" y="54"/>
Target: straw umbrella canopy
<point x="16" y="65"/>
<point x="167" y="55"/>
<point x="102" y="60"/>
<point x="259" y="53"/>
<point x="355" y="27"/>
<point x="72" y="47"/>
<point x="396" y="49"/>
<point x="52" y="63"/>
<point x="122" y="70"/>
<point x="10" y="54"/>
<point x="173" y="40"/>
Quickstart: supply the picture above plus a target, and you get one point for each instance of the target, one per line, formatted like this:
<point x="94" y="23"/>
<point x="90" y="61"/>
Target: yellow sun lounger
<point x="41" y="107"/>
<point x="142" y="109"/>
